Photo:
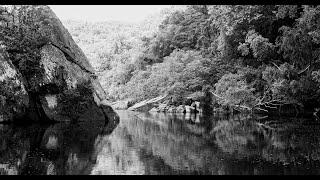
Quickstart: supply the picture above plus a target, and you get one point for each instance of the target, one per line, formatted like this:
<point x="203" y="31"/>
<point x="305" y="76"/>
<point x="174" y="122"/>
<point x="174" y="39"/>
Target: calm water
<point x="144" y="143"/>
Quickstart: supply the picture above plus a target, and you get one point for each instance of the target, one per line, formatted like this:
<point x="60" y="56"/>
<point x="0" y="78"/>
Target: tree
<point x="21" y="37"/>
<point x="232" y="90"/>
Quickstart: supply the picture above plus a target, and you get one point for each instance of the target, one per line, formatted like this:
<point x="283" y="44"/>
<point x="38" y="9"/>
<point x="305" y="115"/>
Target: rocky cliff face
<point x="68" y="86"/>
<point x="13" y="95"/>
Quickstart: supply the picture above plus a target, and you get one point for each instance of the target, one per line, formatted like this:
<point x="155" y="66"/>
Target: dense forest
<point x="258" y="57"/>
<point x="250" y="57"/>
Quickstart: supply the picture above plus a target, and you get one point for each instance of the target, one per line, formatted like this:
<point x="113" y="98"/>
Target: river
<point x="144" y="143"/>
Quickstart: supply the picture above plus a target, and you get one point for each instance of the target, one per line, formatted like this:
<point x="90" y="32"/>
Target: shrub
<point x="74" y="101"/>
<point x="233" y="90"/>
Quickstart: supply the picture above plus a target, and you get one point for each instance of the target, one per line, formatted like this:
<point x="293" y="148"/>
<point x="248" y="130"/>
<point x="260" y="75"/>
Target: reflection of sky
<point x="116" y="158"/>
<point x="116" y="154"/>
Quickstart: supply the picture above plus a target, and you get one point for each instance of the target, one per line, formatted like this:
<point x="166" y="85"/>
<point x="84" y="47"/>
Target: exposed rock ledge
<point x="67" y="70"/>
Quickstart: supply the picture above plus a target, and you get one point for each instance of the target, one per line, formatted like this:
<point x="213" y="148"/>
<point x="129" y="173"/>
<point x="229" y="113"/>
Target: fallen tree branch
<point x="244" y="107"/>
<point x="261" y="109"/>
<point x="276" y="66"/>
<point x="216" y="95"/>
<point x="264" y="117"/>
<point x="265" y="126"/>
<point x="304" y="70"/>
<point x="316" y="112"/>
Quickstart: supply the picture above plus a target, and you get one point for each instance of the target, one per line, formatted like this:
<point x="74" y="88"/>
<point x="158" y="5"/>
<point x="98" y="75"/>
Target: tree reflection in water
<point x="144" y="143"/>
<point x="158" y="143"/>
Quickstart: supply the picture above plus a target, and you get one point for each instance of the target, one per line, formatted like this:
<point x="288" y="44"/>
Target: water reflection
<point x="144" y="143"/>
<point x="157" y="143"/>
<point x="63" y="148"/>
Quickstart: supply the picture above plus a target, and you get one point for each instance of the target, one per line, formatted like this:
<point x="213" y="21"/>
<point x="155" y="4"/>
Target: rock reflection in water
<point x="63" y="148"/>
<point x="144" y="143"/>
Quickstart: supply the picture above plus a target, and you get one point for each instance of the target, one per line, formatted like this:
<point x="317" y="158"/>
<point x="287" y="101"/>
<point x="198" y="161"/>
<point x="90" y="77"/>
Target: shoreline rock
<point x="121" y="105"/>
<point x="181" y="109"/>
<point x="67" y="88"/>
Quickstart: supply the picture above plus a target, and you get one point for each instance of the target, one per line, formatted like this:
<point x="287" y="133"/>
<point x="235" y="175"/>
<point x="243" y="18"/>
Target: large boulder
<point x="14" y="98"/>
<point x="68" y="85"/>
<point x="66" y="68"/>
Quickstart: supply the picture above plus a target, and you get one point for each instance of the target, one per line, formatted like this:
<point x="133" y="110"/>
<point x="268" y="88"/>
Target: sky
<point x="125" y="13"/>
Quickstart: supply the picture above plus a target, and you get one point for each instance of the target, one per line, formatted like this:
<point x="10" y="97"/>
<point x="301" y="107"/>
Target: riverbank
<point x="160" y="105"/>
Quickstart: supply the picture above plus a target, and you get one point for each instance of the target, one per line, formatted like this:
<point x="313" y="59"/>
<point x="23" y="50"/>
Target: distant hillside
<point x="97" y="39"/>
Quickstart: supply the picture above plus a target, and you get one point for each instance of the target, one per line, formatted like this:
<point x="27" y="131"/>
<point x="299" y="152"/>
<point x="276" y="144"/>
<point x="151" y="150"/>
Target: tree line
<point x="255" y="57"/>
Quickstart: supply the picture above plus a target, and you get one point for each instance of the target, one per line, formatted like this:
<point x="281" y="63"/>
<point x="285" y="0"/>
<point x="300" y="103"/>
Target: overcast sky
<point x="128" y="13"/>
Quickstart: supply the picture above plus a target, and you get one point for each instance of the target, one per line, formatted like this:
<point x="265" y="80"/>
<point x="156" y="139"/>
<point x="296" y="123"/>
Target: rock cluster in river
<point x="158" y="104"/>
<point x="175" y="109"/>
